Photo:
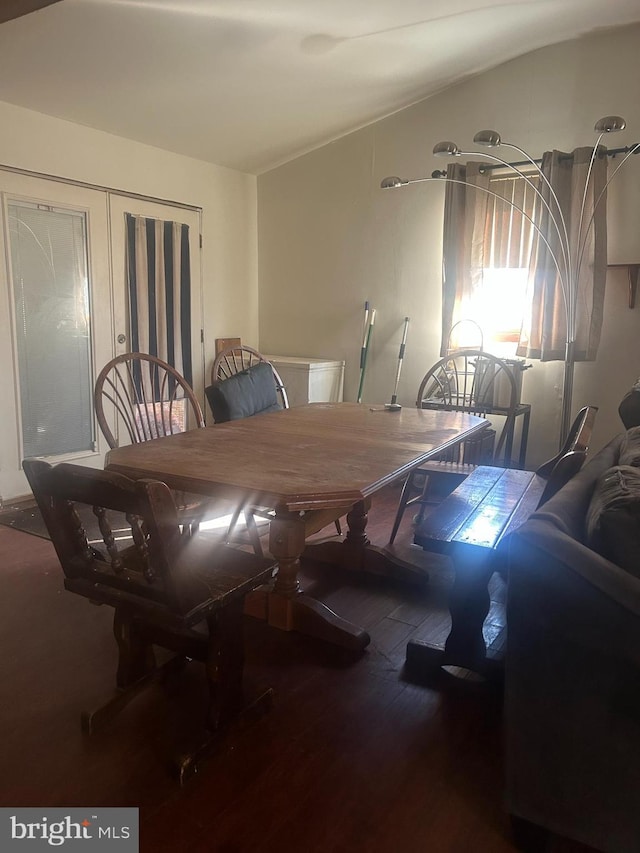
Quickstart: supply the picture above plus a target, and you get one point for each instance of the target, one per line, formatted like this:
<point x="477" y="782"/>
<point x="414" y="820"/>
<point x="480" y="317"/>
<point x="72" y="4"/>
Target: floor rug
<point x="25" y="517"/>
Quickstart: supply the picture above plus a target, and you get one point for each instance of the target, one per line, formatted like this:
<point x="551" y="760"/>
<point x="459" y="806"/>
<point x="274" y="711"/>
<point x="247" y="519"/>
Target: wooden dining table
<point x="311" y="464"/>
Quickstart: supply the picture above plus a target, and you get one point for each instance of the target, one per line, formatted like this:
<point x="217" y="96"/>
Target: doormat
<point x="24" y="517"/>
<point x="27" y="518"/>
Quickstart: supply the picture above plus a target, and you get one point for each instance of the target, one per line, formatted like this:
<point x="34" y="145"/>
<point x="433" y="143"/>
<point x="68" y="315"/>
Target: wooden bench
<point x="470" y="526"/>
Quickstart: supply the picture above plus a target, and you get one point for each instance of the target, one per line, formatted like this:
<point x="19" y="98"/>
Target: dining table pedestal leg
<point x="284" y="605"/>
<point x="356" y="553"/>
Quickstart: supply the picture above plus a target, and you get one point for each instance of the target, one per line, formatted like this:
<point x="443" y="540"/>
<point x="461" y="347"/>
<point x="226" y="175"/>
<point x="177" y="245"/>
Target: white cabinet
<point x="310" y="380"/>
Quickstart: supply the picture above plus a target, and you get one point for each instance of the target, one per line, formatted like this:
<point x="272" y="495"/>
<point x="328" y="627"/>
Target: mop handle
<point x="363" y="348"/>
<point x="394" y="397"/>
<point x="363" y="361"/>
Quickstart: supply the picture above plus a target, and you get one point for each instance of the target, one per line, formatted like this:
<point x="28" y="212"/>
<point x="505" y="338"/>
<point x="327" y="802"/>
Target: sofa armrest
<point x="554" y="545"/>
<point x="572" y="689"/>
<point x="575" y="594"/>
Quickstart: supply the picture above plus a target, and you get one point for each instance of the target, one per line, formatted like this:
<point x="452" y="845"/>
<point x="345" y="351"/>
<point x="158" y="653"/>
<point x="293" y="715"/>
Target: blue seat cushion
<point x="251" y="392"/>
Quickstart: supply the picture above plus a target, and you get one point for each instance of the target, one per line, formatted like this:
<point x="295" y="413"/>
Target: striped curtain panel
<point x="159" y="285"/>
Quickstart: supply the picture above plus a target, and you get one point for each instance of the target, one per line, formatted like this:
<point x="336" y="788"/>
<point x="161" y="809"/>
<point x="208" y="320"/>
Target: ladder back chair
<point x="150" y="399"/>
<point x="164" y="587"/>
<point x="236" y="366"/>
<point x="465" y="380"/>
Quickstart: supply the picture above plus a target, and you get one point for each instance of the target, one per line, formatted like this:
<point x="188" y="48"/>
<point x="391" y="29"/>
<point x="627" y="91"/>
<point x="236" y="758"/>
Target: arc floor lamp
<point x="568" y="259"/>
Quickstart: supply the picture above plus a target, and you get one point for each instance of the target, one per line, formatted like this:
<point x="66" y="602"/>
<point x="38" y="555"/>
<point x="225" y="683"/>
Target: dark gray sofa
<point x="572" y="684"/>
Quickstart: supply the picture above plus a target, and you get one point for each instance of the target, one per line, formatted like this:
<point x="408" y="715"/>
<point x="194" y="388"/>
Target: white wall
<point x="329" y="238"/>
<point x="33" y="141"/>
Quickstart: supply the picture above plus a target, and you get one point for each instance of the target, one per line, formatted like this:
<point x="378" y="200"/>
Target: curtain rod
<point x="612" y="152"/>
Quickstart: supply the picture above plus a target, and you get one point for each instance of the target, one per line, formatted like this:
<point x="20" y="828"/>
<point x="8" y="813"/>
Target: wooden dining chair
<point x="568" y="461"/>
<point x="244" y="383"/>
<point x="149" y="399"/>
<point x="246" y="362"/>
<point x="465" y="380"/>
<point x="184" y="594"/>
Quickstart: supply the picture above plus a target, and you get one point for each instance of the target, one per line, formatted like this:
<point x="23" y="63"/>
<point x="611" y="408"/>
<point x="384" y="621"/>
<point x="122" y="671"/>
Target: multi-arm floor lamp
<point x="568" y="260"/>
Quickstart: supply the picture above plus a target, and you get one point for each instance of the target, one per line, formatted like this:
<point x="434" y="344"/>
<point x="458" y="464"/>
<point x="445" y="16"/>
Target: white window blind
<point x="50" y="288"/>
<point x="500" y="301"/>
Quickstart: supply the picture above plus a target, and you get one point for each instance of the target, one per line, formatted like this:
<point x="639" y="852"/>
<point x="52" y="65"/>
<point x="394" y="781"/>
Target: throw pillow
<point x="613" y="519"/>
<point x="629" y="408"/>
<point x="251" y="392"/>
<point x="630" y="448"/>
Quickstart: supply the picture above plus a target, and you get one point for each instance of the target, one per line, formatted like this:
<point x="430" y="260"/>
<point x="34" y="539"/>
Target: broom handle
<point x="365" y="349"/>
<point x="394" y="397"/>
<point x="365" y="328"/>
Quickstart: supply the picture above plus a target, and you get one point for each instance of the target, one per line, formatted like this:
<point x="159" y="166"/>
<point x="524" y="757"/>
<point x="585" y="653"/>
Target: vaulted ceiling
<point x="249" y="84"/>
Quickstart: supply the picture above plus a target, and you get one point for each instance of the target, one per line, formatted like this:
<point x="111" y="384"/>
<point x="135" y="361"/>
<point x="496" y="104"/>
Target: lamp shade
<point x="610" y="124"/>
<point x="446" y="149"/>
<point x="489" y="138"/>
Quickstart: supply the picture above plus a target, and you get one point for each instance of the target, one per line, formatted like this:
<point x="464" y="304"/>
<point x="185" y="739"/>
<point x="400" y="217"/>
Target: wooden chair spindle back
<point x="150" y="398"/>
<point x="138" y="523"/>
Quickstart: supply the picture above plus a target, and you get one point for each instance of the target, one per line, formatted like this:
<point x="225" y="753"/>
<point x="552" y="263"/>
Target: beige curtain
<point x="465" y="212"/>
<point x="545" y="329"/>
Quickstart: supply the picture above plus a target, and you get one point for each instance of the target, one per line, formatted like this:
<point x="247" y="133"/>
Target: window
<point x="499" y="294"/>
<point x="489" y="238"/>
<point x="52" y="311"/>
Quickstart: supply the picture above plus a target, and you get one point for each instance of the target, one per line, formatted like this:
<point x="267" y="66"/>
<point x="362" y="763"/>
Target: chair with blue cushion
<point x="243" y="384"/>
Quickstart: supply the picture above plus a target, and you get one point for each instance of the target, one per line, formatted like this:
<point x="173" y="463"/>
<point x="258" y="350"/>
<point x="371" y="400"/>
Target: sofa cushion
<point x="250" y="392"/>
<point x="629" y="408"/>
<point x="630" y="448"/>
<point x="613" y="519"/>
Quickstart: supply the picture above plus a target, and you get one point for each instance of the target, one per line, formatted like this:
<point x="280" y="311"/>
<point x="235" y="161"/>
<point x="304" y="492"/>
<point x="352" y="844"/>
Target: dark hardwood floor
<point x="352" y="757"/>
